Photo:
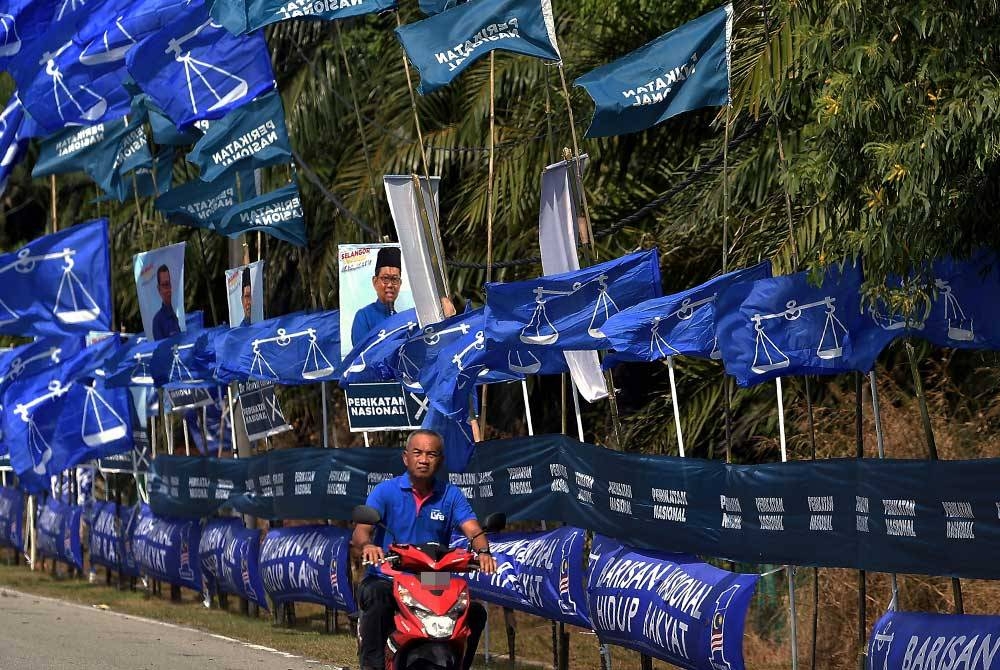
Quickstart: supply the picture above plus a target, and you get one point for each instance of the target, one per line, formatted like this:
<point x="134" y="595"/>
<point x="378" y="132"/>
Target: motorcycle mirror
<point x="365" y="514"/>
<point x="495" y="522"/>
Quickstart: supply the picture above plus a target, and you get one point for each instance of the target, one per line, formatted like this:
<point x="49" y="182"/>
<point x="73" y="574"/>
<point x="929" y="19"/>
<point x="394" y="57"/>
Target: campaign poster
<point x="245" y="293"/>
<point x="373" y="287"/>
<point x="159" y="281"/>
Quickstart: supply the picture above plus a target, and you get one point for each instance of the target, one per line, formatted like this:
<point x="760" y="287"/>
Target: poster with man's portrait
<point x="245" y="292"/>
<point x="159" y="281"/>
<point x="373" y="287"/>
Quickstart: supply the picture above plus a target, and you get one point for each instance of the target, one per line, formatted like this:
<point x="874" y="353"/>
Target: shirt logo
<point x="437" y="515"/>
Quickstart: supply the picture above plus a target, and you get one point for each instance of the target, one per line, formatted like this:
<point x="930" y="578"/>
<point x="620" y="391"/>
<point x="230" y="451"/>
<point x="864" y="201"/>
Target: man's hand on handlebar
<point x="487" y="564"/>
<point x="372" y="554"/>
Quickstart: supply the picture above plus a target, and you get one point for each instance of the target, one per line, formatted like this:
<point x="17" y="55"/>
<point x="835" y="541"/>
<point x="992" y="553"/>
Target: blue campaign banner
<point x="229" y="555"/>
<point x="278" y="213"/>
<point x="369" y="360"/>
<point x="107" y="546"/>
<point x="59" y="532"/>
<point x="295" y="349"/>
<point x="682" y="324"/>
<point x="200" y="204"/>
<point x="669" y="606"/>
<point x="167" y="549"/>
<point x="444" y="45"/>
<point x="927" y="641"/>
<point x="58" y="284"/>
<point x="788" y="326"/>
<point x="686" y="69"/>
<point x="193" y="69"/>
<point x="186" y="360"/>
<point x="961" y="314"/>
<point x="538" y="573"/>
<point x="243" y="16"/>
<point x="193" y="487"/>
<point x="130" y="517"/>
<point x="253" y="136"/>
<point x="567" y="311"/>
<point x="11" y="518"/>
<point x="308" y="564"/>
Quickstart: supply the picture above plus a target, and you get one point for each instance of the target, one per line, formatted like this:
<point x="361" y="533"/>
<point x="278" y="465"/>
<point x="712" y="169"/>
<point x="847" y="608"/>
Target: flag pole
<point x="880" y="443"/>
<point x="925" y="418"/>
<point x="674" y="403"/>
<point x="413" y="107"/>
<point x="793" y="625"/>
<point x="862" y="574"/>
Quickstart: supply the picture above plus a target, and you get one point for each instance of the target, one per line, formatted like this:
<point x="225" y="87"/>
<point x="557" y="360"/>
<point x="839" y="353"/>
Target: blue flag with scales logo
<point x="686" y="69"/>
<point x="567" y="311"/>
<point x="200" y="204"/>
<point x="64" y="415"/>
<point x="13" y="147"/>
<point x="58" y="283"/>
<point x="444" y="45"/>
<point x="243" y="16"/>
<point x="786" y="326"/>
<point x="294" y="349"/>
<point x="194" y="69"/>
<point x="369" y="360"/>
<point x="682" y="324"/>
<point x="278" y="213"/>
<point x="253" y="136"/>
<point x="186" y="360"/>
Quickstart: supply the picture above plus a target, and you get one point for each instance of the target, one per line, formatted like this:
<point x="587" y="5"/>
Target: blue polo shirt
<point x="446" y="509"/>
<point x="368" y="319"/>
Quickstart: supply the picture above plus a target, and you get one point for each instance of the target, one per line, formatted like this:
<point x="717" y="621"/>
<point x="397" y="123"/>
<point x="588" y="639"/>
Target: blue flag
<point x="444" y="45"/>
<point x="456" y="433"/>
<point x="432" y="7"/>
<point x="58" y="284"/>
<point x="686" y="69"/>
<point x="12" y="146"/>
<point x="65" y="415"/>
<point x="786" y="326"/>
<point x="419" y="351"/>
<point x="186" y="360"/>
<point x="194" y="70"/>
<point x="369" y="360"/>
<point x="926" y="640"/>
<point x="253" y="136"/>
<point x="963" y="312"/>
<point x="202" y="204"/>
<point x="243" y="16"/>
<point x="567" y="311"/>
<point x="278" y="213"/>
<point x="130" y="364"/>
<point x="682" y="324"/>
<point x="34" y="28"/>
<point x="150" y="180"/>
<point x="294" y="349"/>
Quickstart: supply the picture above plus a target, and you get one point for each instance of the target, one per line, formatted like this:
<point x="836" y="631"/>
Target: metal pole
<point x="676" y="405"/>
<point x="859" y="440"/>
<point x="527" y="407"/>
<point x="880" y="442"/>
<point x="326" y="425"/>
<point x="793" y="625"/>
<point x="576" y="408"/>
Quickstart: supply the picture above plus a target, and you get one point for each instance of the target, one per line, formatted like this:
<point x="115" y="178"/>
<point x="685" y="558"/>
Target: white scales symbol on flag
<point x="90" y="105"/>
<point x="102" y="49"/>
<point x="140" y="373"/>
<point x="178" y="366"/>
<point x="657" y="344"/>
<point x="540" y="330"/>
<point x="232" y="87"/>
<point x="315" y="366"/>
<point x="960" y="326"/>
<point x="431" y="337"/>
<point x="10" y="42"/>
<point x="830" y="344"/>
<point x="383" y="335"/>
<point x="73" y="303"/>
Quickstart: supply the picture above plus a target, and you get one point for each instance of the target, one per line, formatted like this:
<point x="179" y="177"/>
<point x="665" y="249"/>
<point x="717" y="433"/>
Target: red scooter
<point x="431" y="630"/>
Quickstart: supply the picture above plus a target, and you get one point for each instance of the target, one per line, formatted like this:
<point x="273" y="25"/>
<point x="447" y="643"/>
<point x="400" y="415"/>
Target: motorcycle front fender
<point x="435" y="655"/>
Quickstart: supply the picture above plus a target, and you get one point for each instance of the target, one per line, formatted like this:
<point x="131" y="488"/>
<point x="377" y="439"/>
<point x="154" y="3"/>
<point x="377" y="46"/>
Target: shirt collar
<point x="407" y="485"/>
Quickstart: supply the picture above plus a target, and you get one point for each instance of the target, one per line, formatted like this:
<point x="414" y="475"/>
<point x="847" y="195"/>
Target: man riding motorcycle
<point x="419" y="509"/>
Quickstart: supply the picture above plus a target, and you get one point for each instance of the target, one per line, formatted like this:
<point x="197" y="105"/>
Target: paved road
<point x="91" y="638"/>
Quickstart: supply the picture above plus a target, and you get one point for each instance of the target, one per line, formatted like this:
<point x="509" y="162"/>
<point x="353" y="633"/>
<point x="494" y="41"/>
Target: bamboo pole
<point x="413" y="107"/>
<point x="859" y="440"/>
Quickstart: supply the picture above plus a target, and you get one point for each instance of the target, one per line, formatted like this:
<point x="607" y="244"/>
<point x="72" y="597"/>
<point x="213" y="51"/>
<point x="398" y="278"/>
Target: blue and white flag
<point x="193" y="69"/>
<point x="444" y="45"/>
<point x="432" y="7"/>
<point x="682" y="324"/>
<point x="30" y="29"/>
<point x="150" y="180"/>
<point x="117" y="26"/>
<point x="64" y="416"/>
<point x="963" y="312"/>
<point x="278" y="213"/>
<point x="58" y="284"/>
<point x="294" y="349"/>
<point x="202" y="204"/>
<point x="567" y="311"/>
<point x="180" y="361"/>
<point x="253" y="136"/>
<point x="686" y="69"/>
<point x="419" y="351"/>
<point x="243" y="16"/>
<point x="369" y="360"/>
<point x="130" y="364"/>
<point x="456" y="433"/>
<point x="79" y="149"/>
<point x="12" y="147"/>
<point x="787" y="326"/>
<point x="934" y="641"/>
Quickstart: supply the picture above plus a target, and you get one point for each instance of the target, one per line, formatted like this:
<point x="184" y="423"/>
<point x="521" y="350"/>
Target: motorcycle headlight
<point x="460" y="606"/>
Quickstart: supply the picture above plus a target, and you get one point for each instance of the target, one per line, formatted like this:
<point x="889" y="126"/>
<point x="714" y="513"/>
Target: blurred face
<point x="164" y="287"/>
<point x="423" y="456"/>
<point x="387" y="282"/>
<point x="247" y="300"/>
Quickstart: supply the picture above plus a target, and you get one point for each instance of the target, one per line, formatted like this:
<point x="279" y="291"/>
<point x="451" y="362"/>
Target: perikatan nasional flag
<point x="688" y="68"/>
<point x="447" y="43"/>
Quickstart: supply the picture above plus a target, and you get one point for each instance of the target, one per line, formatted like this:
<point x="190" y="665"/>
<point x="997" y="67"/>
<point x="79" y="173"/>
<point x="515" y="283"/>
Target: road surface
<point x="45" y="634"/>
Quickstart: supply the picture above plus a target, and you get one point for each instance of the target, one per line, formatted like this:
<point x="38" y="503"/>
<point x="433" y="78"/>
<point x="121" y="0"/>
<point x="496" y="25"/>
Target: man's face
<point x="247" y="301"/>
<point x="387" y="282"/>
<point x="164" y="286"/>
<point x="423" y="456"/>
